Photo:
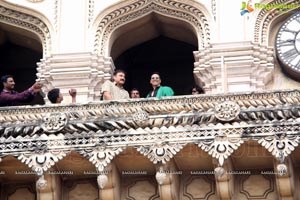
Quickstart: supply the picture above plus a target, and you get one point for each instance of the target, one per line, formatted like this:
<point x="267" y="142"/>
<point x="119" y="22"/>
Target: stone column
<point x="224" y="180"/>
<point x="168" y="181"/>
<point x="85" y="72"/>
<point x="233" y="67"/>
<point x="112" y="189"/>
<point x="285" y="180"/>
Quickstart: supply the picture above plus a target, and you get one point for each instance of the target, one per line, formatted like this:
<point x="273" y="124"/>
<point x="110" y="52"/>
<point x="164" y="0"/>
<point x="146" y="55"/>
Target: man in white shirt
<point x="114" y="90"/>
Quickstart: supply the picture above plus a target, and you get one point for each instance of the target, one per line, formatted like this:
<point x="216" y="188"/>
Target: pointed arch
<point x="29" y="20"/>
<point x="265" y="19"/>
<point x="114" y="17"/>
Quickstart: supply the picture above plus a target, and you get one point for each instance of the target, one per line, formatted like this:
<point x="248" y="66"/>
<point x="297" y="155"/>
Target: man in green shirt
<point x="158" y="90"/>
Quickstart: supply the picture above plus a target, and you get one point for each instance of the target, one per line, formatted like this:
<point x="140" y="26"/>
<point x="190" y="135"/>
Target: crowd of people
<point x="111" y="90"/>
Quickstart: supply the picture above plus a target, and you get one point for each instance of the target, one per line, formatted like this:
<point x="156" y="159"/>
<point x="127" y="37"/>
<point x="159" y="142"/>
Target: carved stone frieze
<point x="221" y="149"/>
<point x="160" y="152"/>
<point x="152" y="113"/>
<point x="175" y="9"/>
<point x="40" y="162"/>
<point x="101" y="156"/>
<point x="281" y="144"/>
<point x="157" y="128"/>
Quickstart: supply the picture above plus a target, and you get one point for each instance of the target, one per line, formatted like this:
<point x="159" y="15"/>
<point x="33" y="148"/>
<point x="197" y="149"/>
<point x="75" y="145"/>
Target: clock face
<point x="288" y="45"/>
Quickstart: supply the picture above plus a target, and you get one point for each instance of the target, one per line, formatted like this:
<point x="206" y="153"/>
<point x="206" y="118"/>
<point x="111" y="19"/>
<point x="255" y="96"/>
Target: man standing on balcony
<point x="113" y="90"/>
<point x="158" y="90"/>
<point x="9" y="97"/>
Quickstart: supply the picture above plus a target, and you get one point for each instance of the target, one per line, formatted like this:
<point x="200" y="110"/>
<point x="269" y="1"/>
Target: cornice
<point x="158" y="129"/>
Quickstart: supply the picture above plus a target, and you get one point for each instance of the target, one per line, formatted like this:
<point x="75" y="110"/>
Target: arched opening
<point x="156" y="43"/>
<point x="20" y="50"/>
<point x="173" y="59"/>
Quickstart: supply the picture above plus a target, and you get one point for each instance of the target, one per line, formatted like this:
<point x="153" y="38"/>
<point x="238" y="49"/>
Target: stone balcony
<point x="234" y="132"/>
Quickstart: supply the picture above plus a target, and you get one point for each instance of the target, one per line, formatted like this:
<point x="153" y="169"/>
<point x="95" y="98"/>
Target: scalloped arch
<point x="264" y="19"/>
<point x="29" y="20"/>
<point x="194" y="14"/>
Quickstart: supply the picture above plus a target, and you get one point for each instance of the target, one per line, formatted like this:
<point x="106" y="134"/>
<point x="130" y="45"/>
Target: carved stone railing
<point x="42" y="135"/>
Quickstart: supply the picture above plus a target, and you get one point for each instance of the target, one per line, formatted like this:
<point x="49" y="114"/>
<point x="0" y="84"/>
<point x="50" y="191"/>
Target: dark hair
<point x="53" y="95"/>
<point x="5" y="77"/>
<point x="134" y="89"/>
<point x="199" y="89"/>
<point x="119" y="71"/>
<point x="155" y="73"/>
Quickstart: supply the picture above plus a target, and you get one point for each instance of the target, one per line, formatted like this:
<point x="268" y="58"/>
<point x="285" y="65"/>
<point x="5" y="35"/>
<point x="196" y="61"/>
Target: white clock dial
<point x="288" y="45"/>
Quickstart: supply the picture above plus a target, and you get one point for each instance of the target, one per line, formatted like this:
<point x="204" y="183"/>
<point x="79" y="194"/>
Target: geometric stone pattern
<point x="142" y="190"/>
<point x="257" y="186"/>
<point x="171" y="124"/>
<point x="199" y="188"/>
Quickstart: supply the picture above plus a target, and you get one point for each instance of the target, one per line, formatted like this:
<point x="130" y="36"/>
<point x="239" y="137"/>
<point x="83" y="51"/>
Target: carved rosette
<point x="101" y="156"/>
<point x="160" y="152"/>
<point x="54" y="122"/>
<point x="227" y="110"/>
<point x="40" y="163"/>
<point x="140" y="118"/>
<point x="221" y="149"/>
<point x="280" y="146"/>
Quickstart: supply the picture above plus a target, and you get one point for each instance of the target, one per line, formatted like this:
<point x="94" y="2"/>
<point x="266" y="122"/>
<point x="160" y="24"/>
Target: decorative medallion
<point x="54" y="122"/>
<point x="140" y="117"/>
<point x="227" y="110"/>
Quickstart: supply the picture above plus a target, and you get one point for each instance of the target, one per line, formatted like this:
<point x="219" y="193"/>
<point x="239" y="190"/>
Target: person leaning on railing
<point x="113" y="90"/>
<point x="10" y="97"/>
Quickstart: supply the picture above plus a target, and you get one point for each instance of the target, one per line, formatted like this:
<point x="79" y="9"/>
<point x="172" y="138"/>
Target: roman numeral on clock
<point x="290" y="54"/>
<point x="288" y="42"/>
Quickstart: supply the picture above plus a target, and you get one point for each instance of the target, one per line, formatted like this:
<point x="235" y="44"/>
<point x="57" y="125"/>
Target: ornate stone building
<point x="237" y="141"/>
